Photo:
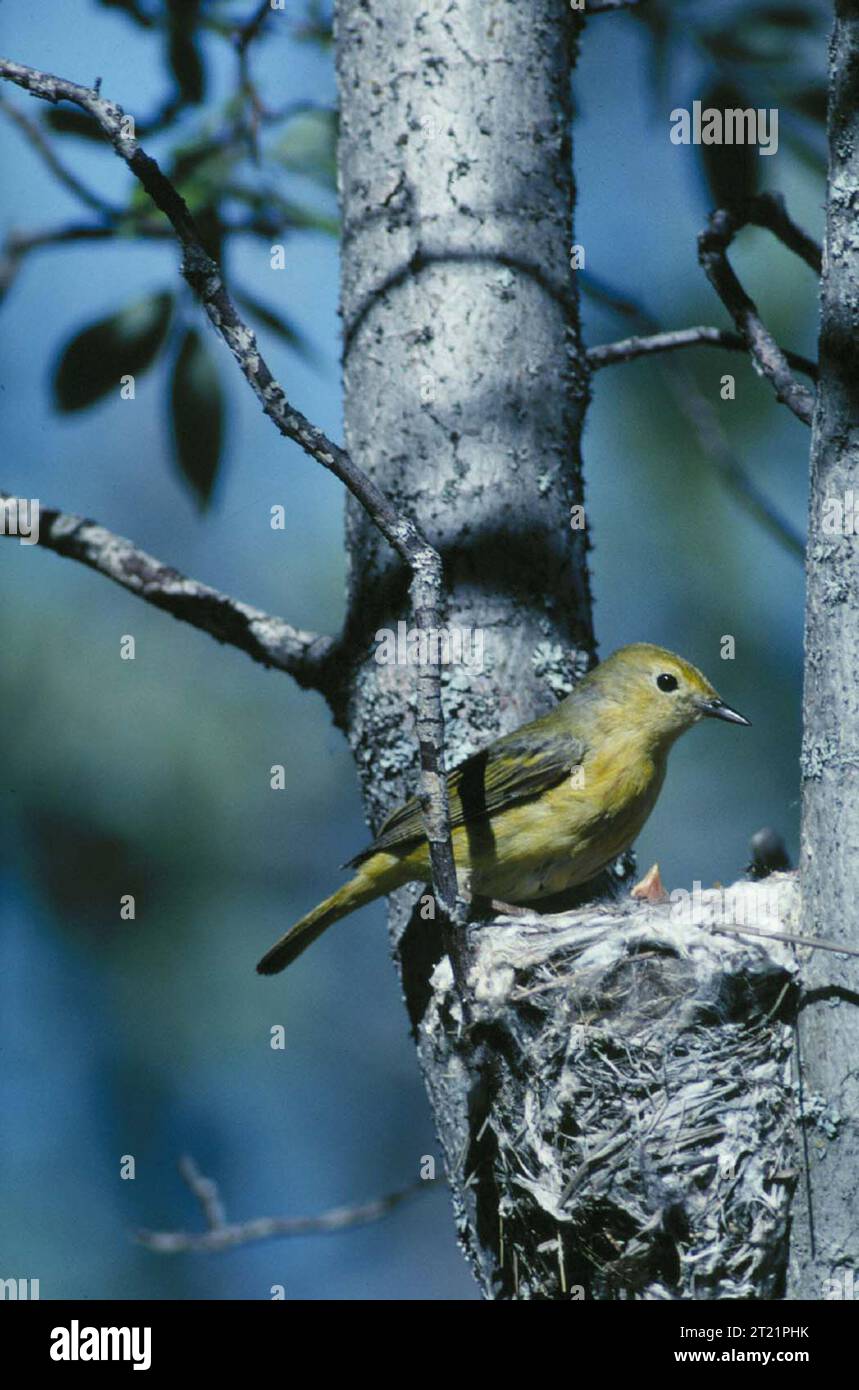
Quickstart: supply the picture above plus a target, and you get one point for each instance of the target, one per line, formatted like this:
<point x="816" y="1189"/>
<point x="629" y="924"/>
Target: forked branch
<point x="204" y="276"/>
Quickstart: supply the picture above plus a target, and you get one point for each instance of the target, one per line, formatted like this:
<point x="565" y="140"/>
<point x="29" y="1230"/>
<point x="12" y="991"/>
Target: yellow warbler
<point x="547" y="807"/>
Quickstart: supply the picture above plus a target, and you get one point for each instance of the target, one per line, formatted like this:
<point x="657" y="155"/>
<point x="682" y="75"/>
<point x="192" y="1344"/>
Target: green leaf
<point x="75" y="123"/>
<point x="307" y="219"/>
<point x="197" y="416"/>
<point x="132" y="8"/>
<point x="286" y="331"/>
<point x="201" y="169"/>
<point x="657" y="19"/>
<point x="811" y="102"/>
<point x="309" y="146"/>
<point x="731" y="46"/>
<point x="93" y="361"/>
<point x="316" y="28"/>
<point x="790" y="16"/>
<point x="183" y="53"/>
<point x="754" y="39"/>
<point x="732" y="171"/>
<point x="280" y="214"/>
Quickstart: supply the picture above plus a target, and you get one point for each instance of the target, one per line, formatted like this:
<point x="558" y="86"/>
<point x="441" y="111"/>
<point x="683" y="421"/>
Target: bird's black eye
<point x="666" y="682"/>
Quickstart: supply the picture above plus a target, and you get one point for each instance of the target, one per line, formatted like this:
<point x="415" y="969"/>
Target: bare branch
<point x="768" y="210"/>
<point x="223" y="1235"/>
<point x="266" y="639"/>
<point x="247" y="33"/>
<point x="607" y="354"/>
<point x="206" y="1191"/>
<point x="243" y="37"/>
<point x="722" y="226"/>
<point x="204" y="277"/>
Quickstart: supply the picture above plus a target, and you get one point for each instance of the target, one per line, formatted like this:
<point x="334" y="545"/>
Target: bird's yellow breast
<point x="561" y="838"/>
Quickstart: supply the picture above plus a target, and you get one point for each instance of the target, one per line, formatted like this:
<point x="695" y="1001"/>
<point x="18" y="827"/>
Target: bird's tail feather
<point x="359" y="890"/>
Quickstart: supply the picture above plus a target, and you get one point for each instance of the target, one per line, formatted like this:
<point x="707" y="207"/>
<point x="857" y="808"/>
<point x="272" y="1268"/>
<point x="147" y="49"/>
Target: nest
<point x="629" y="1126"/>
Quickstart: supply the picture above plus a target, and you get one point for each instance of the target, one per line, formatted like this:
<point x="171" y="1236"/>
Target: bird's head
<point x="657" y="693"/>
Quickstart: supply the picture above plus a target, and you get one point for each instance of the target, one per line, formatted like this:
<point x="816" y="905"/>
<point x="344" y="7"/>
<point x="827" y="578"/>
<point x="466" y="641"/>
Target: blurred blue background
<point x="151" y="1038"/>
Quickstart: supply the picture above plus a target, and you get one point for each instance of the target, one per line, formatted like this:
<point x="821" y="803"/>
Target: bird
<point x="542" y="809"/>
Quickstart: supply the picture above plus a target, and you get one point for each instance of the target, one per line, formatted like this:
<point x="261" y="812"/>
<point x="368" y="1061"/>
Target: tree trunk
<point x="463" y="371"/>
<point x="464" y="377"/>
<point x="612" y="1103"/>
<point x="825" y="1243"/>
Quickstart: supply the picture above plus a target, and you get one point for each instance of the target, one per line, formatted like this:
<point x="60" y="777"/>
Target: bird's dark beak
<point x="717" y="709"/>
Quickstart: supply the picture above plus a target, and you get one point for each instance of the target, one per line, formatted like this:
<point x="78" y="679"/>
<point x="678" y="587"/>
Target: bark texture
<point x="465" y="381"/>
<point x="825" y="1243"/>
<point x="464" y="376"/>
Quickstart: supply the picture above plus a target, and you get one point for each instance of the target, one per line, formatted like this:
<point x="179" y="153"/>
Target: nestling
<point x="547" y="807"/>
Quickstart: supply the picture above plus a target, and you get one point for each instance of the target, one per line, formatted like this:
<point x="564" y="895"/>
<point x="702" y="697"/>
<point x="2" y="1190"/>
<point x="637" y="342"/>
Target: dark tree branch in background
<point x="606" y="6"/>
<point x="224" y="1235"/>
<point x="204" y="277"/>
<point x="33" y="132"/>
<point x="703" y="419"/>
<point x="768" y="210"/>
<point x="722" y="226"/>
<point x="266" y="639"/>
<point x="18" y="245"/>
<point x="607" y="354"/>
<point x="244" y="36"/>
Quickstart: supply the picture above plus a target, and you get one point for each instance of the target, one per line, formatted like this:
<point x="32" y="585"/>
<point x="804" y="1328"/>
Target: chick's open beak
<point x="717" y="709"/>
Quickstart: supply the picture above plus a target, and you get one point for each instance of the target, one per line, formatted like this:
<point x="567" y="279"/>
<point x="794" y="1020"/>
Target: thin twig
<point x="610" y="1147"/>
<point x="722" y="227"/>
<point x="245" y="34"/>
<point x="768" y="210"/>
<point x="269" y="640"/>
<point x="224" y="1235"/>
<point x="703" y="416"/>
<point x="243" y="37"/>
<point x="206" y="1191"/>
<point x="18" y="245"/>
<point x="204" y="276"/>
<point x="704" y="420"/>
<point x="36" y="137"/>
<point x="814" y="943"/>
<point x="628" y="349"/>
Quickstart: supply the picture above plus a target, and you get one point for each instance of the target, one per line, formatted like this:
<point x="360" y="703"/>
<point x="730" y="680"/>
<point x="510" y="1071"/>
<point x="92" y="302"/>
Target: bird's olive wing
<point x="514" y="768"/>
